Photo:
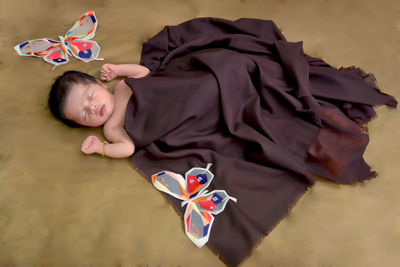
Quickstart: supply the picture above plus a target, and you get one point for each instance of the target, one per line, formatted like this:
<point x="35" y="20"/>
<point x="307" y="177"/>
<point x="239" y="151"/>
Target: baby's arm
<point x="109" y="71"/>
<point x="118" y="149"/>
<point x="121" y="145"/>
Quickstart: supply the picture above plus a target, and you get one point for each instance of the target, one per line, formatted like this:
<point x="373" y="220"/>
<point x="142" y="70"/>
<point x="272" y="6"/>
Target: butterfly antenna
<point x="183" y="203"/>
<point x="233" y="199"/>
<point x="208" y="166"/>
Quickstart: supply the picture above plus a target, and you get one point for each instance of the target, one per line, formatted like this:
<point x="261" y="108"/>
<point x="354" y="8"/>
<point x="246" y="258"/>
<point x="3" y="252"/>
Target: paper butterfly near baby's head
<point x="201" y="205"/>
<point x="76" y="41"/>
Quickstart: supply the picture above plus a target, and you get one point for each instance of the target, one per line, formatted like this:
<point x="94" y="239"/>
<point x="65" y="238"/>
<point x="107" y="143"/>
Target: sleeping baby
<point x="79" y="99"/>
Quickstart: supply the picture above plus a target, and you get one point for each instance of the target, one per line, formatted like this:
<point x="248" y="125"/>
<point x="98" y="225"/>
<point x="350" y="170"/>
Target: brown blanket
<point x="266" y="115"/>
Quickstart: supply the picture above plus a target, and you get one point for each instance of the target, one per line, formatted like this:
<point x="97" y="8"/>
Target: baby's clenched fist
<point x="91" y="145"/>
<point x="108" y="72"/>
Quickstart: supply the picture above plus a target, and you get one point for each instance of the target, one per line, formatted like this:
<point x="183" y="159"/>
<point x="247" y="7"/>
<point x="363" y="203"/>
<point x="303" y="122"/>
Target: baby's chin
<point x="104" y="121"/>
<point x="95" y="124"/>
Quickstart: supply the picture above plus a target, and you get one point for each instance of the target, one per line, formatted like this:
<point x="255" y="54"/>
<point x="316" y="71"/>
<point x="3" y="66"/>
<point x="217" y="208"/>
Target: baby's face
<point x="89" y="105"/>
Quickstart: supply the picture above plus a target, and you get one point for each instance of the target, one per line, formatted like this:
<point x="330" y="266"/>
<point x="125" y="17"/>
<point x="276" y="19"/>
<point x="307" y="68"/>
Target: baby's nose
<point x="93" y="108"/>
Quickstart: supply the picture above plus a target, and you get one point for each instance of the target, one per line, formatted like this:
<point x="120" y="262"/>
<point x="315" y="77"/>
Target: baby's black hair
<point x="60" y="90"/>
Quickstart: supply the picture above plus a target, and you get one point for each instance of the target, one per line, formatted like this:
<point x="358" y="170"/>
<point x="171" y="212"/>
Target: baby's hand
<point x="91" y="145"/>
<point x="108" y="72"/>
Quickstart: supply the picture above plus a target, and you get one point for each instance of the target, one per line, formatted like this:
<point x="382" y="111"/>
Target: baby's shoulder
<point x="122" y="94"/>
<point x="122" y="89"/>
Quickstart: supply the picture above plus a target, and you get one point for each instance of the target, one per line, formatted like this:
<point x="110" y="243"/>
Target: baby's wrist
<point x="99" y="148"/>
<point x="103" y="148"/>
<point x="117" y="69"/>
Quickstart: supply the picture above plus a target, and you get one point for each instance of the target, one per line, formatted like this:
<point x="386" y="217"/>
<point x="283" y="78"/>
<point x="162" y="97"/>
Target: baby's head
<point x="79" y="99"/>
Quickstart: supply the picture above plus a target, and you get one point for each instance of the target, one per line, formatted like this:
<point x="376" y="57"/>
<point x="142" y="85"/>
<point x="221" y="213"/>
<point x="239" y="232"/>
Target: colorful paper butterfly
<point x="198" y="217"/>
<point x="76" y="41"/>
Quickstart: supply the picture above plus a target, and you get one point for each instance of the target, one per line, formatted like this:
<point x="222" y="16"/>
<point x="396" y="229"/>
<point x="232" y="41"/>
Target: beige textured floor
<point x="59" y="207"/>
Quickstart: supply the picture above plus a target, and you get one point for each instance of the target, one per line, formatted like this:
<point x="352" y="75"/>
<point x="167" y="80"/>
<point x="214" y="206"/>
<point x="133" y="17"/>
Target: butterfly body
<point x="201" y="206"/>
<point x="76" y="41"/>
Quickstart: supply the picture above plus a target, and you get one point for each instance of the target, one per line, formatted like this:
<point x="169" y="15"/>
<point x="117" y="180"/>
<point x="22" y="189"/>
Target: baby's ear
<point x="102" y="84"/>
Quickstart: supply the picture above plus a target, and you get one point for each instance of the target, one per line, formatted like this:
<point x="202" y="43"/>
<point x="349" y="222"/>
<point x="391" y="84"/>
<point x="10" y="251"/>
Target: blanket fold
<point x="267" y="116"/>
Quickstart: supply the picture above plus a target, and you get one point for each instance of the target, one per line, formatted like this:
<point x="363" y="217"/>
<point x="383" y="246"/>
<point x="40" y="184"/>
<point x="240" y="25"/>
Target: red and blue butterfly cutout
<point x="76" y="42"/>
<point x="201" y="206"/>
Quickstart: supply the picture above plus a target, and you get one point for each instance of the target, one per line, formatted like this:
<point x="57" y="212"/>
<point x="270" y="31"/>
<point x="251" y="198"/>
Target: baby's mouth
<point x="102" y="110"/>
